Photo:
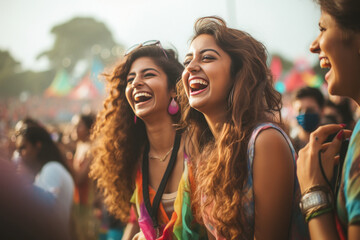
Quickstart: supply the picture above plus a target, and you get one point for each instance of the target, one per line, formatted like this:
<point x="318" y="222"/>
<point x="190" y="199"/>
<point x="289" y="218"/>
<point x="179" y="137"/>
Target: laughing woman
<point x="139" y="154"/>
<point x="245" y="176"/>
<point x="338" y="46"/>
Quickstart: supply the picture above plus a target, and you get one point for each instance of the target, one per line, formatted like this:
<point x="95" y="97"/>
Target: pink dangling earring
<point x="173" y="107"/>
<point x="135" y="118"/>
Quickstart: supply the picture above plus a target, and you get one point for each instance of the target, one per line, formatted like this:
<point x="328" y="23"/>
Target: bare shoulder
<point x="271" y="141"/>
<point x="272" y="151"/>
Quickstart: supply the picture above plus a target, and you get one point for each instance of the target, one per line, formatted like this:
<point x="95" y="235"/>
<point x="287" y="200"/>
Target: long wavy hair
<point x="251" y="100"/>
<point x="119" y="141"/>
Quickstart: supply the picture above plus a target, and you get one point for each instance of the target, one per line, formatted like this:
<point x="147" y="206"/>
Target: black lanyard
<point x="153" y="210"/>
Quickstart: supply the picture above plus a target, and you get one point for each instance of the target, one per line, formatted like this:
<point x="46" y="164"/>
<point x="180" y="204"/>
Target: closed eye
<point x="148" y="75"/>
<point x="130" y="79"/>
<point x="208" y="57"/>
<point x="186" y="62"/>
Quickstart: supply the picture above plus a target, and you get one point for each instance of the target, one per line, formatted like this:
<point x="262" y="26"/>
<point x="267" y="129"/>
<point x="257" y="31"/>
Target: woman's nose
<point x="314" y="47"/>
<point x="193" y="66"/>
<point x="137" y="82"/>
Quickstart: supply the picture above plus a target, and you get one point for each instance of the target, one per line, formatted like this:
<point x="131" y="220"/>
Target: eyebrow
<point x="205" y="50"/>
<point x="144" y="70"/>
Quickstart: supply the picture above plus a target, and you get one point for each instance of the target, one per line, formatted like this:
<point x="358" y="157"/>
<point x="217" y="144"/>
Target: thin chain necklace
<point x="163" y="158"/>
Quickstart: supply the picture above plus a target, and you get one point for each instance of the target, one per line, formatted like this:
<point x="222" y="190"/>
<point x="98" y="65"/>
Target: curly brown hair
<point x="118" y="141"/>
<point x="251" y="101"/>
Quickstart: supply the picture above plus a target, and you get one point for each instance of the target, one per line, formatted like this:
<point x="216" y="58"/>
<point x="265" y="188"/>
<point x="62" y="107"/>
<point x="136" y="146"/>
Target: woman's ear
<point x="173" y="93"/>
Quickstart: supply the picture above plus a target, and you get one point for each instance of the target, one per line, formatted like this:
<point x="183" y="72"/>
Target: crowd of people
<point x="199" y="149"/>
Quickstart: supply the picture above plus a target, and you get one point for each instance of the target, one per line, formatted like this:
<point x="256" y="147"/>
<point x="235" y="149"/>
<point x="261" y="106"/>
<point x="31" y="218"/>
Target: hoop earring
<point x="173" y="107"/>
<point x="135" y="119"/>
<point x="231" y="97"/>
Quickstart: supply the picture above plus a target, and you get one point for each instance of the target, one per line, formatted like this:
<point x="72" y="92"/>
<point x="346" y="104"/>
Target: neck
<point x="215" y="122"/>
<point x="34" y="168"/>
<point x="161" y="134"/>
<point x="85" y="139"/>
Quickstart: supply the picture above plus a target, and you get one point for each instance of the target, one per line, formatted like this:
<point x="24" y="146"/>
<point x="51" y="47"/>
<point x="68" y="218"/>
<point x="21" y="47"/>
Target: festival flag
<point x="84" y="90"/>
<point x="60" y="86"/>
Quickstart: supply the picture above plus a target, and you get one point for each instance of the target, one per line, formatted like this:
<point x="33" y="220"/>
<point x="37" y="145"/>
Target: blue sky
<point x="284" y="26"/>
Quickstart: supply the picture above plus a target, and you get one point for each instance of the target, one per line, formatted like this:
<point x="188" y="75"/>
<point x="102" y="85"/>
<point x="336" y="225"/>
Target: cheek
<point x="224" y="81"/>
<point x="128" y="95"/>
<point x="184" y="79"/>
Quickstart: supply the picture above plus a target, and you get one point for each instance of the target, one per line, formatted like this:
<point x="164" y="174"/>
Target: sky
<point x="286" y="27"/>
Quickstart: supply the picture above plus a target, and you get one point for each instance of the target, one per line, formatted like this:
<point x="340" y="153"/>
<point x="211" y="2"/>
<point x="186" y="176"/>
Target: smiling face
<point x="147" y="88"/>
<point x="339" y="53"/>
<point x="206" y="78"/>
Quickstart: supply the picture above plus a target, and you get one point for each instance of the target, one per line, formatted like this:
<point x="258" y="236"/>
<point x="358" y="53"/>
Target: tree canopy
<point x="78" y="39"/>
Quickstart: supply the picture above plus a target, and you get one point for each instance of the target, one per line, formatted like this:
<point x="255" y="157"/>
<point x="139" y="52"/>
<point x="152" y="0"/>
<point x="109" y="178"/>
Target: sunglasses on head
<point x="146" y="43"/>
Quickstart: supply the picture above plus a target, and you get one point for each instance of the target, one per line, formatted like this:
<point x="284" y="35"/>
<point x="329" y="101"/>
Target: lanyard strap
<point x="153" y="210"/>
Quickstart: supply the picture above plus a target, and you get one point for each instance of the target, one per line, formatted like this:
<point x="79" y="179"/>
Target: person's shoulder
<point x="272" y="140"/>
<point x="53" y="165"/>
<point x="55" y="168"/>
<point x="270" y="136"/>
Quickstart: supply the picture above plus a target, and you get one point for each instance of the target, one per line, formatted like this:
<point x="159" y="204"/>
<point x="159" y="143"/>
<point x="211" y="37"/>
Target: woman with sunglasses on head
<point x="338" y="46"/>
<point x="245" y="175"/>
<point x="140" y="156"/>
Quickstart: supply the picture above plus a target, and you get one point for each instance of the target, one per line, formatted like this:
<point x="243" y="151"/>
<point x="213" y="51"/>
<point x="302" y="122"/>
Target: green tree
<point x="8" y="65"/>
<point x="13" y="81"/>
<point x="78" y="39"/>
<point x="8" y="68"/>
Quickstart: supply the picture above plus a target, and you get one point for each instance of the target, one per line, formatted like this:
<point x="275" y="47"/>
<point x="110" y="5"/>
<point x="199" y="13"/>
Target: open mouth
<point x="325" y="63"/>
<point x="197" y="85"/>
<point x="142" y="97"/>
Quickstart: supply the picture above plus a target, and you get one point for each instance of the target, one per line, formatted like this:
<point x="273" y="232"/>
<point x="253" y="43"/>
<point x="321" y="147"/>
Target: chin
<point x="198" y="105"/>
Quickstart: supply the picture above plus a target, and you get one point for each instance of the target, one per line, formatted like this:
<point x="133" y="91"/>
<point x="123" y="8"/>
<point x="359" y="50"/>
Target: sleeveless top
<point x="182" y="224"/>
<point x="298" y="228"/>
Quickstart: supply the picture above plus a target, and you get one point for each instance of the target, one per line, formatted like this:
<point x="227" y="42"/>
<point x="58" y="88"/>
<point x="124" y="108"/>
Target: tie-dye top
<point x="298" y="228"/>
<point x="182" y="224"/>
<point x="348" y="202"/>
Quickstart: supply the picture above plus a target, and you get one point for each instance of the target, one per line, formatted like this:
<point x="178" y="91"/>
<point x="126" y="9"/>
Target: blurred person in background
<point x="48" y="171"/>
<point x="347" y="108"/>
<point x="28" y="212"/>
<point x="87" y="205"/>
<point x="308" y="106"/>
<point x="331" y="113"/>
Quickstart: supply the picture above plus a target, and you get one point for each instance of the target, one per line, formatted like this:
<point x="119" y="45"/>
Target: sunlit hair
<point x="118" y="140"/>
<point x="222" y="164"/>
<point x="345" y="12"/>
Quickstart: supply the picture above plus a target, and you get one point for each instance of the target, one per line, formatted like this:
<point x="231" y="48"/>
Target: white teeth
<point x="195" y="81"/>
<point x="325" y="63"/>
<point x="141" y="94"/>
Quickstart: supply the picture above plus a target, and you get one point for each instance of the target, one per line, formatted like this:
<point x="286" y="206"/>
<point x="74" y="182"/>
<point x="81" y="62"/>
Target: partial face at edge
<point x="147" y="88"/>
<point x="206" y="78"/>
<point x="340" y="56"/>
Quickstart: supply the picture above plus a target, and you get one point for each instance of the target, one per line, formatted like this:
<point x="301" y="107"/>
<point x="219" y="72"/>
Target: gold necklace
<point x="161" y="159"/>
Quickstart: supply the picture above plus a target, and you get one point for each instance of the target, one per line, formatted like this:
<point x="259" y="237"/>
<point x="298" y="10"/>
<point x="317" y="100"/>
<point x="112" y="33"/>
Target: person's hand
<point x="139" y="236"/>
<point x="308" y="168"/>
